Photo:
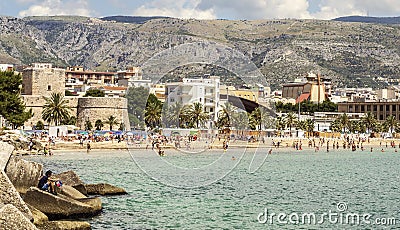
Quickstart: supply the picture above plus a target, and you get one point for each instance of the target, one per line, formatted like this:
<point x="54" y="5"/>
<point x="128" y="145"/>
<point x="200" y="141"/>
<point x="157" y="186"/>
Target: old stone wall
<point x="83" y="108"/>
<point x="101" y="108"/>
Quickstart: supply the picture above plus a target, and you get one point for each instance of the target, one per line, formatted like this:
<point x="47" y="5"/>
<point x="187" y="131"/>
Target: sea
<point x="241" y="188"/>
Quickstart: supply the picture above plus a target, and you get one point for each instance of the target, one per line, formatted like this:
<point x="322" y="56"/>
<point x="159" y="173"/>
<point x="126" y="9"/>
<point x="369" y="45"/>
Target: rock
<point x="104" y="189"/>
<point x="23" y="174"/>
<point x="71" y="192"/>
<point x="60" y="206"/>
<point x="9" y="195"/>
<point x="5" y="153"/>
<point x="72" y="179"/>
<point x="11" y="218"/>
<point x="37" y="145"/>
<point x="65" y="225"/>
<point x="38" y="216"/>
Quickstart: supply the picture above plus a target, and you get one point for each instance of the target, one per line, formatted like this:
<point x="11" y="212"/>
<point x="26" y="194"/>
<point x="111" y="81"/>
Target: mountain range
<point x="353" y="54"/>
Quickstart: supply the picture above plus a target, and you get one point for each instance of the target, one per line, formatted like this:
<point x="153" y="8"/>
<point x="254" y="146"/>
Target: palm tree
<point x="226" y="116"/>
<point x="99" y="124"/>
<point x="241" y="120"/>
<point x="391" y="122"/>
<point x="152" y="115"/>
<point x="172" y="113"/>
<point x="336" y="126"/>
<point x="197" y="114"/>
<point x="354" y="126"/>
<point x="290" y="120"/>
<point x="369" y="121"/>
<point x="344" y="121"/>
<point x="88" y="125"/>
<point x="56" y="109"/>
<point x="112" y="121"/>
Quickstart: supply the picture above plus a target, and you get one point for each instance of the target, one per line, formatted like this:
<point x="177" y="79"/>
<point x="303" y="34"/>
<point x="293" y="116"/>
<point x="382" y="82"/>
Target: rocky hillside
<point x="353" y="54"/>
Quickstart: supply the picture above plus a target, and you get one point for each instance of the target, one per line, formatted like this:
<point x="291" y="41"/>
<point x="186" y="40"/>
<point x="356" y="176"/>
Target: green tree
<point x="369" y="121"/>
<point x="290" y="120"/>
<point x="111" y="121"/>
<point x="88" y="125"/>
<point x="56" y="109"/>
<point x="336" y="126"/>
<point x="391" y="123"/>
<point x="344" y="121"/>
<point x="121" y="126"/>
<point x="171" y="114"/>
<point x="226" y="116"/>
<point x="241" y="120"/>
<point x="94" y="93"/>
<point x="12" y="107"/>
<point x="98" y="124"/>
<point x="137" y="100"/>
<point x="152" y="115"/>
<point x="70" y="121"/>
<point x="39" y="125"/>
<point x="197" y="114"/>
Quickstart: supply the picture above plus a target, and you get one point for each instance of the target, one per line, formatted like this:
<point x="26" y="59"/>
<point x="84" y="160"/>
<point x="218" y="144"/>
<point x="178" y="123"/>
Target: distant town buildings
<point x="190" y="90"/>
<point x="6" y="67"/>
<point x="312" y="88"/>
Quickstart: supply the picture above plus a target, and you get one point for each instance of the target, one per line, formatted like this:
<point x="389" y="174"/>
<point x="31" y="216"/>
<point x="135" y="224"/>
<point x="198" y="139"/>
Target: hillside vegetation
<point x="352" y="54"/>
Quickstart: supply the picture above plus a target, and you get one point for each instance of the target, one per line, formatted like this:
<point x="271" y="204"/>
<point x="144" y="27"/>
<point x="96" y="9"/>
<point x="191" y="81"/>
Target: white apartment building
<point x="190" y="90"/>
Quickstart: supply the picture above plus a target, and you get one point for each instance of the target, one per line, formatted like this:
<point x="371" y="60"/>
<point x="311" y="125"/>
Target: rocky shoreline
<point x="24" y="206"/>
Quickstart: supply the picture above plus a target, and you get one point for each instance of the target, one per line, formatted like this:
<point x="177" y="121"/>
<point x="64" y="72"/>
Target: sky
<point x="203" y="9"/>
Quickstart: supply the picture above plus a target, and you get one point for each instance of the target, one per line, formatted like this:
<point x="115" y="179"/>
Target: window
<point x="211" y="90"/>
<point x="48" y="87"/>
<point x="211" y="110"/>
<point x="172" y="100"/>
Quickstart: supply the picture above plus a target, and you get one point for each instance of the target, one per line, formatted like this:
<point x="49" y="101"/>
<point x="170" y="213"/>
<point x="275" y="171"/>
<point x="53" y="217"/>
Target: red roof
<point x="302" y="97"/>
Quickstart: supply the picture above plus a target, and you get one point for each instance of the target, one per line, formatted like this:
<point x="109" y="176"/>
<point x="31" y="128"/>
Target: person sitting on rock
<point x="45" y="183"/>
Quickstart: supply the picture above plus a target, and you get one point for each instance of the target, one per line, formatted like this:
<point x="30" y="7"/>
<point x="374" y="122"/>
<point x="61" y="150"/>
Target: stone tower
<point x="42" y="79"/>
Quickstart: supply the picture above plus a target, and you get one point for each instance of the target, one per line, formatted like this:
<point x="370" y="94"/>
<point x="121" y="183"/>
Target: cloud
<point x="336" y="8"/>
<point x="57" y="7"/>
<point x="174" y="8"/>
<point x="257" y="9"/>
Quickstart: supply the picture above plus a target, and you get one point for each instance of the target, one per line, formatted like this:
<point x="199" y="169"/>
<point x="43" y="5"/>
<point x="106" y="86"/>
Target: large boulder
<point x="23" y="174"/>
<point x="72" y="179"/>
<point x="71" y="192"/>
<point x="65" y="225"/>
<point x="60" y="206"/>
<point x="38" y="216"/>
<point x="104" y="189"/>
<point x="5" y="153"/>
<point x="9" y="195"/>
<point x="11" y="218"/>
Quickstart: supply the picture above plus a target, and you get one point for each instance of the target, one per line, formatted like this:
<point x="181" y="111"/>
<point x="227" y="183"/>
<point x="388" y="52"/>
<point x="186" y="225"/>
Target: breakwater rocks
<point x="24" y="206"/>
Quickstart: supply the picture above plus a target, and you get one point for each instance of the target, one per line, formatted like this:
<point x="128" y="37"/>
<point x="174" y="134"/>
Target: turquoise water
<point x="287" y="182"/>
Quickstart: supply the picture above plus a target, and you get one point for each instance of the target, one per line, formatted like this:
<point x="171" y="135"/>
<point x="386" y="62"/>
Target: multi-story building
<point x="113" y="91"/>
<point x="312" y="88"/>
<point x="190" y="90"/>
<point x="380" y="109"/>
<point x="93" y="78"/>
<point x="159" y="91"/>
<point x="132" y="77"/>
